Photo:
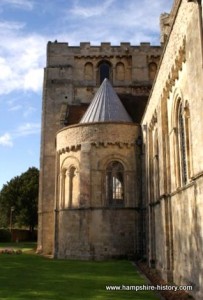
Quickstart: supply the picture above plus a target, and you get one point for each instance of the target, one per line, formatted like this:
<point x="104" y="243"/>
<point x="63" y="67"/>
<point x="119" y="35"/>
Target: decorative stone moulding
<point x="176" y="67"/>
<point x="95" y="56"/>
<point x="106" y="144"/>
<point x="98" y="135"/>
<point x="154" y="120"/>
<point x="97" y="145"/>
<point x="70" y="148"/>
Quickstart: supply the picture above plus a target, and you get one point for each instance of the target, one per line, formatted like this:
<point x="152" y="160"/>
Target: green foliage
<point x="5" y="235"/>
<point x="19" y="197"/>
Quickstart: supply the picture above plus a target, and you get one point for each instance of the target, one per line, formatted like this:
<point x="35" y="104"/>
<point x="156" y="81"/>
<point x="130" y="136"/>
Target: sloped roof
<point x="106" y="107"/>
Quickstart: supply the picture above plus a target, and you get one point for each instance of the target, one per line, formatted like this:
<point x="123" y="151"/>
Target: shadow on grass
<point x="27" y="277"/>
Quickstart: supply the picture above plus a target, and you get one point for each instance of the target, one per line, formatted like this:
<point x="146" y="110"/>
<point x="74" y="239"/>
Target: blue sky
<point x="25" y="28"/>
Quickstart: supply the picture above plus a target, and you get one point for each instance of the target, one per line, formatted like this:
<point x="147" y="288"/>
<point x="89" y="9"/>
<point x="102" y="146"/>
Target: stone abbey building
<point x="121" y="150"/>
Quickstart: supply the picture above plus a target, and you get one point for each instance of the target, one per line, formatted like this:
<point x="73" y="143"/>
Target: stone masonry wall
<point x="97" y="234"/>
<point x="178" y="208"/>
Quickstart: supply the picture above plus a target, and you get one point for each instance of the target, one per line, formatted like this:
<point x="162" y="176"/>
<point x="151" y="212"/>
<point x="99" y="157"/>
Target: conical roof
<point x="106" y="107"/>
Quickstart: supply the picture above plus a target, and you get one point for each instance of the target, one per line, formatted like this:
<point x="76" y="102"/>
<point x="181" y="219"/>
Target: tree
<point x="19" y="198"/>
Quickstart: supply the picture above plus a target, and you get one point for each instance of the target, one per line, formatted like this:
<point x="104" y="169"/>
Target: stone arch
<point x="102" y="164"/>
<point x="128" y="176"/>
<point x="88" y="71"/>
<point x="69" y="161"/>
<point x="104" y="70"/>
<point x="69" y="183"/>
<point x="177" y="96"/>
<point x="120" y="71"/>
<point x="180" y="121"/>
<point x="152" y="69"/>
<point x="115" y="184"/>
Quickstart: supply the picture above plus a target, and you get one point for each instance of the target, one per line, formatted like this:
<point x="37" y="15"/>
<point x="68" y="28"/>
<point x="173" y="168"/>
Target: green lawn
<point x="28" y="276"/>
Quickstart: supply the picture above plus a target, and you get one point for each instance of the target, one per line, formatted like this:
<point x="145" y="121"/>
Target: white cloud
<point x="6" y="140"/>
<point x="6" y="71"/>
<point x="33" y="79"/>
<point x="24" y="130"/>
<point x="23" y="4"/>
<point x="27" y="129"/>
<point x="90" y="11"/>
<point x="116" y="21"/>
<point x="15" y="108"/>
<point x="6" y="26"/>
<point x="22" y="58"/>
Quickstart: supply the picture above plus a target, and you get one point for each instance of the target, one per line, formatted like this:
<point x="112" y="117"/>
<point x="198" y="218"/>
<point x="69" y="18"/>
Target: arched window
<point x="115" y="184"/>
<point x="182" y="145"/>
<point x="152" y="70"/>
<point x="182" y="162"/>
<point x="104" y="71"/>
<point x="188" y="139"/>
<point x="120" y="71"/>
<point x="156" y="166"/>
<point x="88" y="71"/>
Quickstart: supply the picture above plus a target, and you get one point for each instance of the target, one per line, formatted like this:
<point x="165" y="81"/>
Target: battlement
<point x="87" y="45"/>
<point x="59" y="53"/>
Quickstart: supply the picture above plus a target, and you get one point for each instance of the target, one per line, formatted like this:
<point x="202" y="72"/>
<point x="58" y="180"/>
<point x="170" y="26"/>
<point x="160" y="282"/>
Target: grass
<point x="29" y="276"/>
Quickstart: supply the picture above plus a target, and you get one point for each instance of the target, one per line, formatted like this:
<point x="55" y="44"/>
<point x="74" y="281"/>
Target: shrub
<point x="5" y="235"/>
<point x="10" y="251"/>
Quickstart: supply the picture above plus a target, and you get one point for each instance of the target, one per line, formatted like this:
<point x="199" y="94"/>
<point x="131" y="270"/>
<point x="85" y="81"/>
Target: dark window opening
<point x="104" y="71"/>
<point x="182" y="141"/>
<point x="115" y="184"/>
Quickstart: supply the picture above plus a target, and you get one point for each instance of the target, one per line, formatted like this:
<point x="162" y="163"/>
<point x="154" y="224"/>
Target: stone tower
<point x="71" y="79"/>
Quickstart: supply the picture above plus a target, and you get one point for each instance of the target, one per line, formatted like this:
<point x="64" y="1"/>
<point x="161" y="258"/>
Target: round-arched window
<point x="115" y="184"/>
<point x="104" y="71"/>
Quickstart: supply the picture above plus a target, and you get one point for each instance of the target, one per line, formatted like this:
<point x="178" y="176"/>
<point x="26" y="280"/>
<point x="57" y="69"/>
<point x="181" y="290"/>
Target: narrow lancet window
<point x="182" y="145"/>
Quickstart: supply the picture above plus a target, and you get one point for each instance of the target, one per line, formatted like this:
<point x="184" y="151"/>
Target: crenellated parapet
<point x="58" y="53"/>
